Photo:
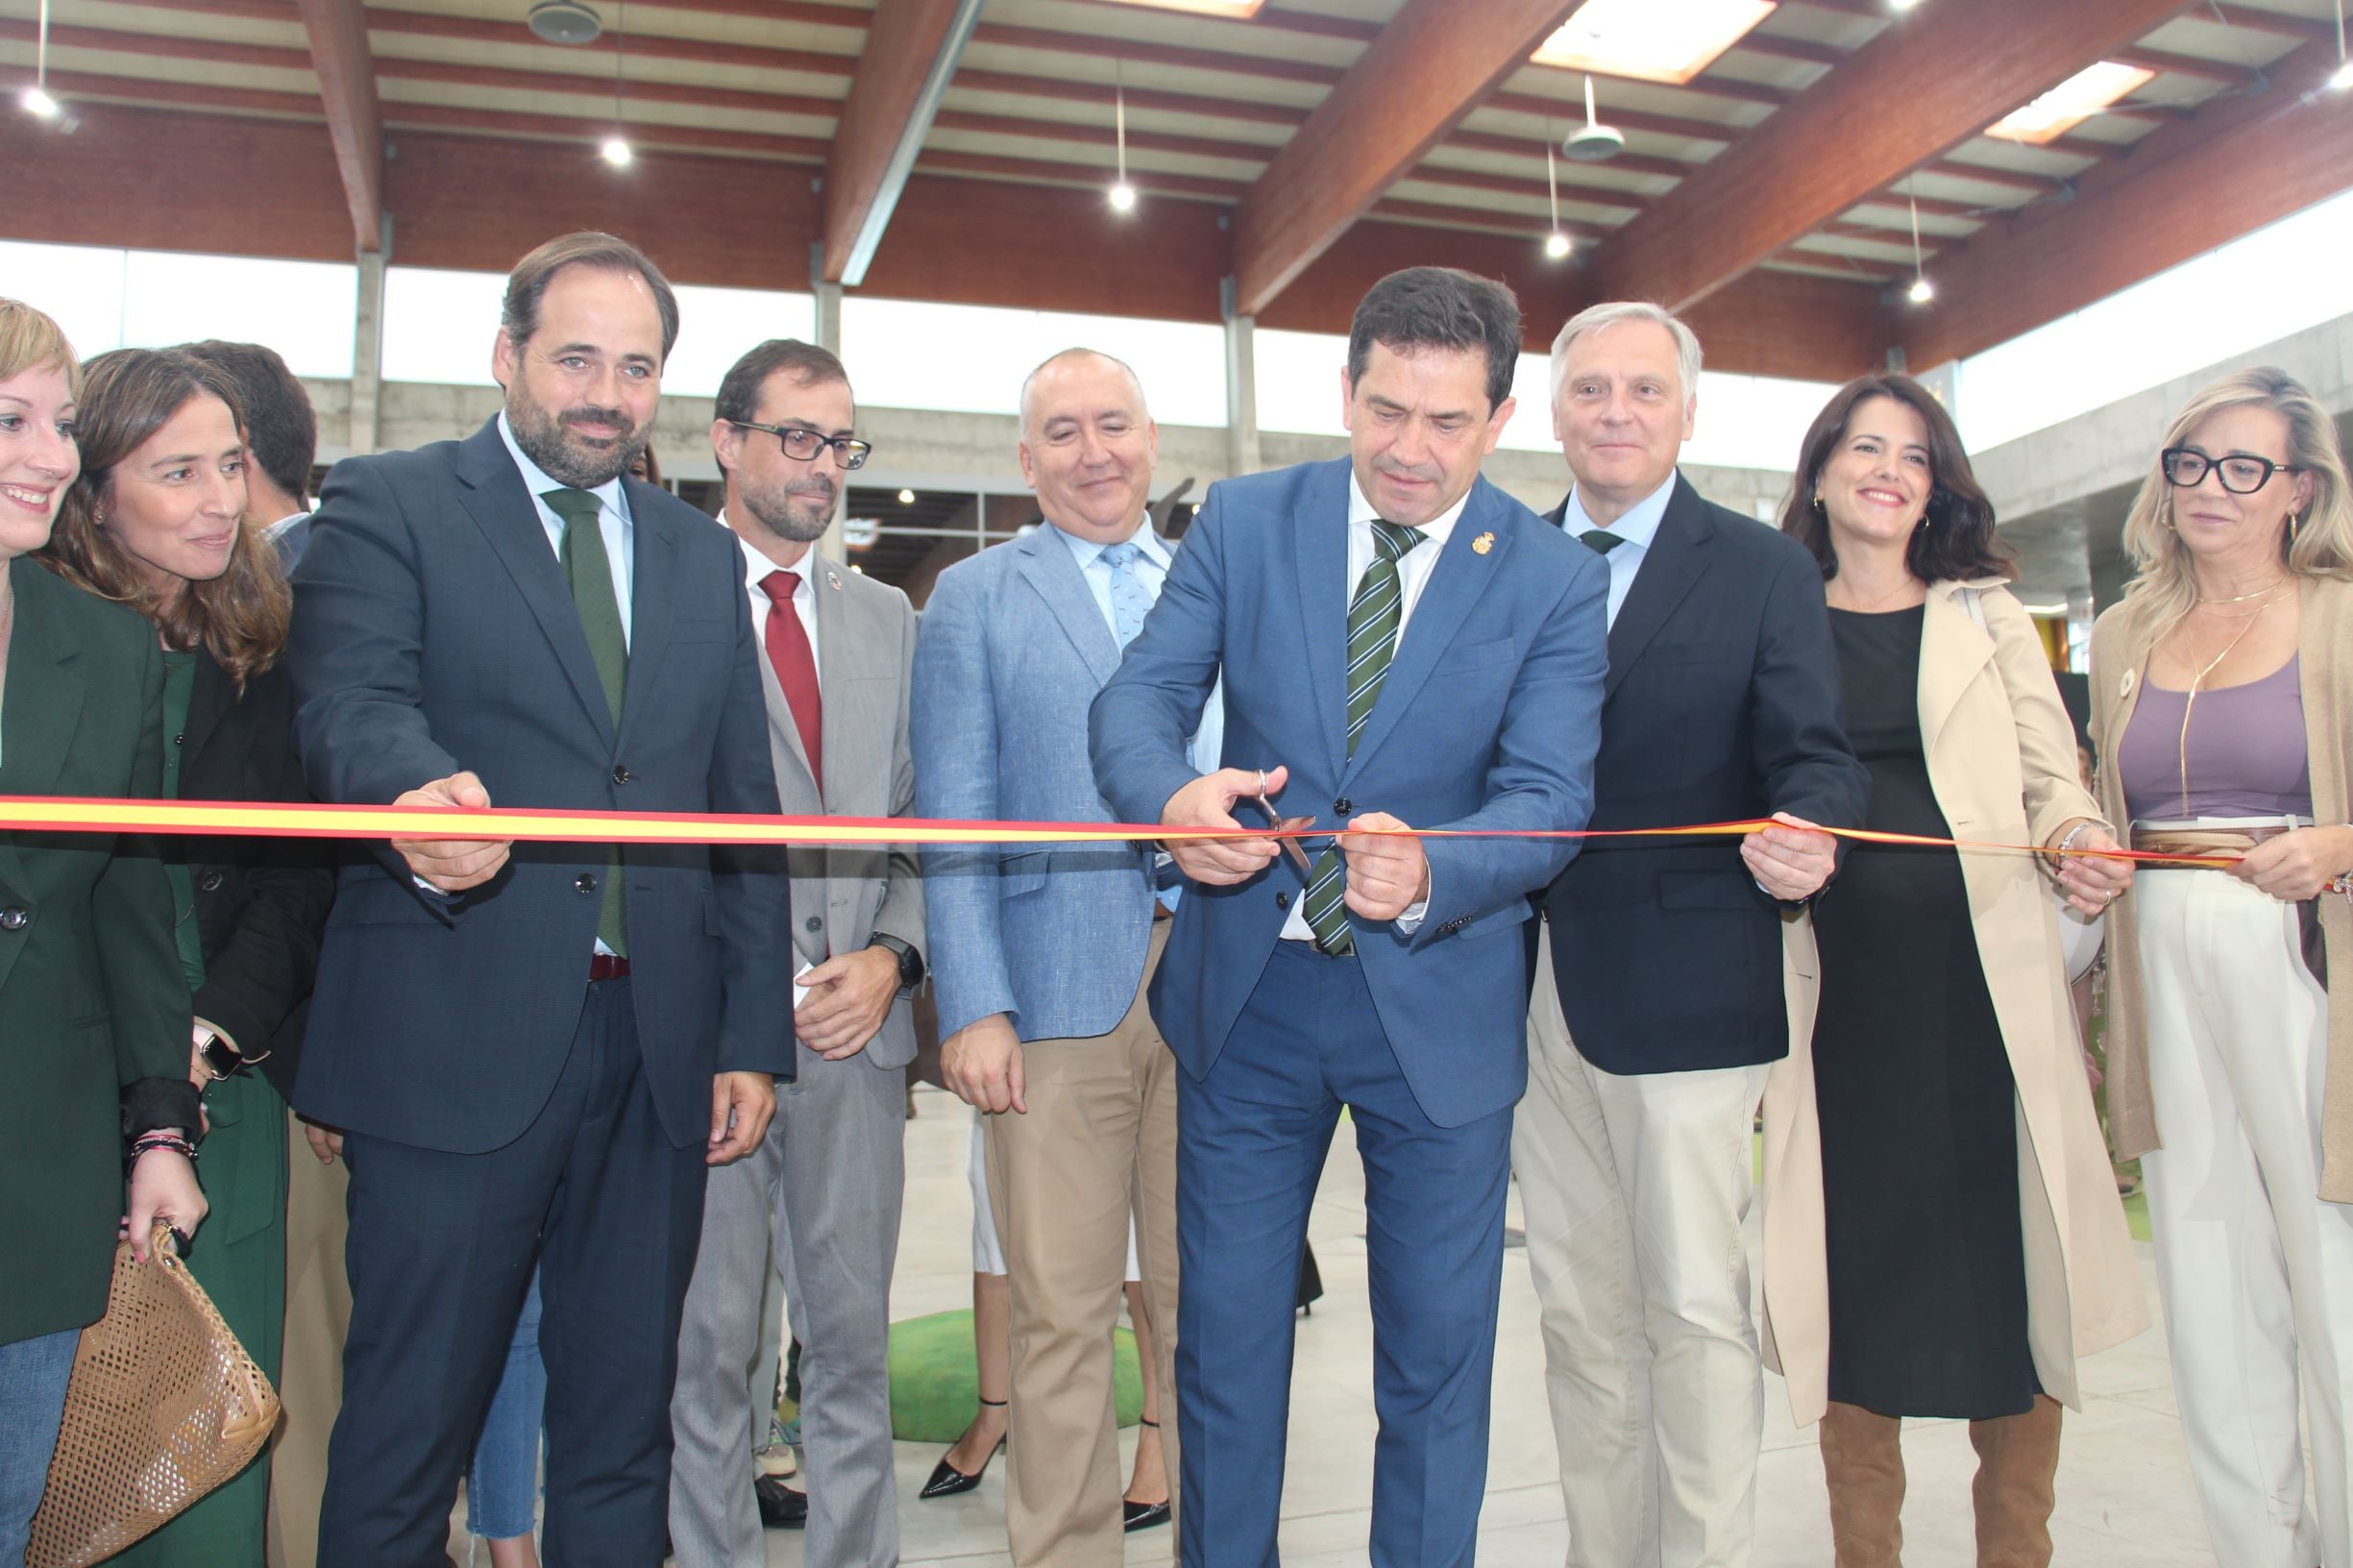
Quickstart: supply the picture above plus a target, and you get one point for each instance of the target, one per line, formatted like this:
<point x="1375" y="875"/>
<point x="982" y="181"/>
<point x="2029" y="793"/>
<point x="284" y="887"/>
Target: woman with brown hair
<point x="156" y="521"/>
<point x="1942" y="1236"/>
<point x="2221" y="696"/>
<point x="93" y="1019"/>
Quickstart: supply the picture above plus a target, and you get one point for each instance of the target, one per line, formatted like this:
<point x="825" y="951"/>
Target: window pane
<point x="439" y="326"/>
<point x="111" y="299"/>
<point x="967" y="359"/>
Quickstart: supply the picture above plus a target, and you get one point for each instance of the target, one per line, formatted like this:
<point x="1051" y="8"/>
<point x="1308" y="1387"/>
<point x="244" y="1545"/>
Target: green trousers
<point x="240" y="1260"/>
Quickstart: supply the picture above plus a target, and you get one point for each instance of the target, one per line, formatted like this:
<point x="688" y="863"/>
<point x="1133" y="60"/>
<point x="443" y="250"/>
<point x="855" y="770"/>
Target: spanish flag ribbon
<point x="205" y="819"/>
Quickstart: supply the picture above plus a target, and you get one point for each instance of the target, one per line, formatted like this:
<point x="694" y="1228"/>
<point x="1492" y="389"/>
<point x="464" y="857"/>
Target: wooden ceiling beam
<point x="1919" y="88"/>
<point x="2245" y="161"/>
<point x="1408" y="91"/>
<point x="911" y="49"/>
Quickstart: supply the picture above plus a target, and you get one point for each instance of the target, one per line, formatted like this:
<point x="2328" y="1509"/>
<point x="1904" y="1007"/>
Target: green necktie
<point x="1374" y="616"/>
<point x="590" y="572"/>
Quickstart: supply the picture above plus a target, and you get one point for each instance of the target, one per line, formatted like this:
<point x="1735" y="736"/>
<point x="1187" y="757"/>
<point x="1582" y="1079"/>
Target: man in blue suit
<point x="1040" y="956"/>
<point x="1403" y="645"/>
<point x="534" y="1050"/>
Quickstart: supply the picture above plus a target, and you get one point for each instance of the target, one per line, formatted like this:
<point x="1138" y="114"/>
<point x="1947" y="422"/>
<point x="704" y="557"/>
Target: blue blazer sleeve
<point x="952" y="720"/>
<point x="1140" y="725"/>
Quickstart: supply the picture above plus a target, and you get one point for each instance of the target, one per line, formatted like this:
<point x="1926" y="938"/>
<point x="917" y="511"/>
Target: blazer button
<point x="1283" y="901"/>
<point x="586" y="882"/>
<point x="623" y="775"/>
<point x="1344" y="807"/>
<point x="210" y="884"/>
<point x="814" y="925"/>
<point x="15" y="917"/>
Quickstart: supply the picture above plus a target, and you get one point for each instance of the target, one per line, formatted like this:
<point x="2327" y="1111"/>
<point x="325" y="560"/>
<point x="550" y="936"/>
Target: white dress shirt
<point x="1414" y="570"/>
<point x="1637" y="527"/>
<point x="757" y="567"/>
<point x="613" y="521"/>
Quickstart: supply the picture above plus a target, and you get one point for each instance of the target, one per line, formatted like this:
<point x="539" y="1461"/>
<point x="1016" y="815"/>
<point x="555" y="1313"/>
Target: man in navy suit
<point x="1403" y="645"/>
<point x="534" y="1050"/>
<point x="1658" y="999"/>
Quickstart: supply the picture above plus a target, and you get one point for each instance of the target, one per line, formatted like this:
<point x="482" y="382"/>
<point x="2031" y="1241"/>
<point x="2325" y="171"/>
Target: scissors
<point x="1284" y="824"/>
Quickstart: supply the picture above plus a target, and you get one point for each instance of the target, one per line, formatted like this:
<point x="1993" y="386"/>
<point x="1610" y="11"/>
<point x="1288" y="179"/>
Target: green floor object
<point x="935" y="1387"/>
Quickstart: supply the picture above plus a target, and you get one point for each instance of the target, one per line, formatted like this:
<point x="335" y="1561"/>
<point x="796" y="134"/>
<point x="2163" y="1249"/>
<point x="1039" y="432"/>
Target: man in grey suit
<point x="1041" y="955"/>
<point x="819" y="1200"/>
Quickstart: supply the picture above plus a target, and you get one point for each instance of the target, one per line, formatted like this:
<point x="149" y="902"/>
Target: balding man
<point x="1041" y="977"/>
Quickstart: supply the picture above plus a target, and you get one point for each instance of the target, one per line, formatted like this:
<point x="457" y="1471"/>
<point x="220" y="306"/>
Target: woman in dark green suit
<point x="156" y="521"/>
<point x="94" y="1017"/>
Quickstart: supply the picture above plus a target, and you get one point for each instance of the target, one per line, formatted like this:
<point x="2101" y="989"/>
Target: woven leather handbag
<point x="165" y="1405"/>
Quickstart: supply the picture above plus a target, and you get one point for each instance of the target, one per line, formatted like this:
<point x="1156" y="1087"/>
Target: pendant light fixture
<point x="1921" y="290"/>
<point x="1122" y="194"/>
<point x="1556" y="245"/>
<point x="616" y="149"/>
<point x="35" y="98"/>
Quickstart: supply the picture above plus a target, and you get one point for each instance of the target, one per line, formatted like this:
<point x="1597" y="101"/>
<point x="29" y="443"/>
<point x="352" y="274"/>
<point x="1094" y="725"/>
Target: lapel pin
<point x="2123" y="688"/>
<point x="833" y="579"/>
<point x="1482" y="543"/>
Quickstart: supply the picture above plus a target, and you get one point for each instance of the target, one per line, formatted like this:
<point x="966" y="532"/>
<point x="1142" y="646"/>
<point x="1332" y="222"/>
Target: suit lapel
<point x="836" y="658"/>
<point x="1319" y="566"/>
<point x="209" y="701"/>
<point x="1952" y="649"/>
<point x="1054" y="572"/>
<point x="654" y="598"/>
<point x="492" y="491"/>
<point x="1677" y="559"/>
<point x="1455" y="583"/>
<point x="40" y="706"/>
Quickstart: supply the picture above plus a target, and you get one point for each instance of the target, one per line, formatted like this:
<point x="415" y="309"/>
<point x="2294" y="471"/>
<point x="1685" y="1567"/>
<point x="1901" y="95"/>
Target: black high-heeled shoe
<point x="947" y="1480"/>
<point x="1135" y="1515"/>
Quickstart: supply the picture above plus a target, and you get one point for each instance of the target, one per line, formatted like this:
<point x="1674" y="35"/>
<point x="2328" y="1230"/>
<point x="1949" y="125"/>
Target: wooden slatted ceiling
<point x="1210" y="103"/>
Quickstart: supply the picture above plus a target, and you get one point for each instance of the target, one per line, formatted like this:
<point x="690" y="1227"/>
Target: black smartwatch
<point x="910" y="962"/>
<point x="221" y="1059"/>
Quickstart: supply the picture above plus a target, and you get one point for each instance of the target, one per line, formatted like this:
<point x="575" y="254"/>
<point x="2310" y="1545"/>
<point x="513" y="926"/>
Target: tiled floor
<point x="2123" y="1490"/>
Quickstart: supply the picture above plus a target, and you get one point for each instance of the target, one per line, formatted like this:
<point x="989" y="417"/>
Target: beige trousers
<point x="311" y="1370"/>
<point x="1096" y="1148"/>
<point x="1635" y="1190"/>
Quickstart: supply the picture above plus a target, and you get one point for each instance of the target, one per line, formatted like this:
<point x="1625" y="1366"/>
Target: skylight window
<point x="2071" y="103"/>
<point x="1651" y="40"/>
<point x="1238" y="11"/>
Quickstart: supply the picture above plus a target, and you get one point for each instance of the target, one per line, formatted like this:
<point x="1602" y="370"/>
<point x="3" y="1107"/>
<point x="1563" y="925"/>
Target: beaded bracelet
<point x="163" y="1138"/>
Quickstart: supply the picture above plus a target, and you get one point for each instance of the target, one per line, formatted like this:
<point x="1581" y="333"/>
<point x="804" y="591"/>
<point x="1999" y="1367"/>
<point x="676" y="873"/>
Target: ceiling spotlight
<point x="1122" y="194"/>
<point x="1556" y="245"/>
<point x="906" y="498"/>
<point x="1921" y="290"/>
<point x="38" y="102"/>
<point x="1123" y="197"/>
<point x="2343" y="78"/>
<point x="565" y="21"/>
<point x="616" y="151"/>
<point x="1901" y="5"/>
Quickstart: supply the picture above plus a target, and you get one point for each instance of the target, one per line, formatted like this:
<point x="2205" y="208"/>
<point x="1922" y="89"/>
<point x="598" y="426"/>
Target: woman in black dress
<point x="1942" y="1018"/>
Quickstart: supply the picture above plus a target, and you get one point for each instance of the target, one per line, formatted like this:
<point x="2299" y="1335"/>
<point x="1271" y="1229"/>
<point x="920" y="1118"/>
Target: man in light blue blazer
<point x="1403" y="645"/>
<point x="1040" y="956"/>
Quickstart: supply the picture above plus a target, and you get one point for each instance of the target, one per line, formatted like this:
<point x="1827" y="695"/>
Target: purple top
<point x="2246" y="751"/>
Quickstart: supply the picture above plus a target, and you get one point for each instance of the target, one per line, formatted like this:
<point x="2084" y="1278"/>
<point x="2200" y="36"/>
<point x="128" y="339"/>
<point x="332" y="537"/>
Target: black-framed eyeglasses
<point x="2186" y="468"/>
<point x="802" y="443"/>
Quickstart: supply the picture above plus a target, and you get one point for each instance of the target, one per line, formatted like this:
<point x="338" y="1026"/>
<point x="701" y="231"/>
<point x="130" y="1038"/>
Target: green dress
<point x="240" y="1252"/>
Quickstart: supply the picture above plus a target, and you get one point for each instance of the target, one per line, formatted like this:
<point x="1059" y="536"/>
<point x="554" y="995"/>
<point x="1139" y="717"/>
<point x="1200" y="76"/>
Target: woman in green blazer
<point x="156" y="521"/>
<point x="94" y="1017"/>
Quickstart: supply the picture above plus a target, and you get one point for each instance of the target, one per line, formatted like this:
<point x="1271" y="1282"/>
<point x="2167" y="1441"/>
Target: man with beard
<point x="819" y="1199"/>
<point x="535" y="1050"/>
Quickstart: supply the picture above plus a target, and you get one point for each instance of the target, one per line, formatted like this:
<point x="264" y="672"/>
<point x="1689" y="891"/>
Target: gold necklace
<point x="2277" y="583"/>
<point x="2189" y="700"/>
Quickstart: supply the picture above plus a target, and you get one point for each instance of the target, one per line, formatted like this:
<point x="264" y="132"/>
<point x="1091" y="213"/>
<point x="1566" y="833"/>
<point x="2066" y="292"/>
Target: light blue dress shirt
<point x="1152" y="562"/>
<point x="613" y="520"/>
<point x="1637" y="527"/>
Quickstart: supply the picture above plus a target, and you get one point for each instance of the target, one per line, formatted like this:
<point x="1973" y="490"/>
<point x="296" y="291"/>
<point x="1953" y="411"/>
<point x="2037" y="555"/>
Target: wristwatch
<point x="221" y="1058"/>
<point x="910" y="962"/>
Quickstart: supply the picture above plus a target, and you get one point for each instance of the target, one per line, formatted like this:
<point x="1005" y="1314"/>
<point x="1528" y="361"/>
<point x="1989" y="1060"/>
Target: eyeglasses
<point x="802" y="445"/>
<point x="2186" y="468"/>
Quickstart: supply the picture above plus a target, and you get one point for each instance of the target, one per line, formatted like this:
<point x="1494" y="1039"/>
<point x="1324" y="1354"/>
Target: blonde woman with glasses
<point x="2223" y="690"/>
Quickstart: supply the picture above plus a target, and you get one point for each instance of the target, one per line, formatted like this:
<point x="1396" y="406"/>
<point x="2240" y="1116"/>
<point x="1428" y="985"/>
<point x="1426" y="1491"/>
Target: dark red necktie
<point x="796" y="666"/>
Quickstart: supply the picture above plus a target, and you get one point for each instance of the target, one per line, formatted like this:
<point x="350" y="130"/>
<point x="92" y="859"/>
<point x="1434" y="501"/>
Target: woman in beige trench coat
<point x="1945" y="1076"/>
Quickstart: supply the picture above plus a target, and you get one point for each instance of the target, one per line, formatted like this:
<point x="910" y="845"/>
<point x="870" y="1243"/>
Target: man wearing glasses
<point x="819" y="1199"/>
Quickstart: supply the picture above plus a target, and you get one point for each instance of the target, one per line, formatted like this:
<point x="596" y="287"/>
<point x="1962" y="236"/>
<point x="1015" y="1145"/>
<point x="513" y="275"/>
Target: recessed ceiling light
<point x="2071" y="103"/>
<point x="1653" y="40"/>
<point x="1239" y="10"/>
<point x="906" y="498"/>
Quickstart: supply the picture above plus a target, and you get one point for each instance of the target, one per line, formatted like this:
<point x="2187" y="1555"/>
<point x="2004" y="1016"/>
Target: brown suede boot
<point x="2017" y="1458"/>
<point x="1862" y="1458"/>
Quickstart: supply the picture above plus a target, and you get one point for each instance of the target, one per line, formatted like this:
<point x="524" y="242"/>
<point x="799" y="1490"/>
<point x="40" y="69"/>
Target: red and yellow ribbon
<point x="206" y="818"/>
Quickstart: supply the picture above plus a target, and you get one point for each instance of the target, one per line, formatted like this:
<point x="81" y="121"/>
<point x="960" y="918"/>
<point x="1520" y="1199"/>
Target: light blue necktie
<point x="1130" y="600"/>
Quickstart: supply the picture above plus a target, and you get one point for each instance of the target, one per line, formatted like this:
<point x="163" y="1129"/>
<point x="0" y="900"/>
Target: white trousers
<point x="2255" y="1271"/>
<point x="1635" y="1190"/>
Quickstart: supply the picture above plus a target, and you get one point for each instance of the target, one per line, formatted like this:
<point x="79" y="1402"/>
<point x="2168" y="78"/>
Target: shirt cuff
<point x="1411" y="920"/>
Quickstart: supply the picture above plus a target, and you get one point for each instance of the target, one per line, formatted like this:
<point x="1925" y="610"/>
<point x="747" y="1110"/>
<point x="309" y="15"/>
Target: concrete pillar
<point x="1242" y="391"/>
<point x="368" y="355"/>
<point x="829" y="328"/>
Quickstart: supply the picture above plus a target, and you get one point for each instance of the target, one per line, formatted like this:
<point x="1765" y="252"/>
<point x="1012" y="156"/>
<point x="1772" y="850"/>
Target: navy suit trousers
<point x="442" y="1247"/>
<point x="1252" y="1137"/>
